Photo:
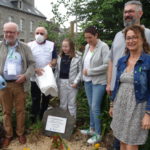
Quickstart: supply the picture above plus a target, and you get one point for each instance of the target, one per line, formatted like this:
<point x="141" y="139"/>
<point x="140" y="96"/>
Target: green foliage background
<point x="106" y="15"/>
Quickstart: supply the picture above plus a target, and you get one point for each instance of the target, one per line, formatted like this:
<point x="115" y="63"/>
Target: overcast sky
<point x="44" y="6"/>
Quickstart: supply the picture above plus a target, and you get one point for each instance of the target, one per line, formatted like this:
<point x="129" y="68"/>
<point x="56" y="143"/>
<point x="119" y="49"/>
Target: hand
<point x="108" y="89"/>
<point x="39" y="71"/>
<point x="74" y="85"/>
<point x="50" y="64"/>
<point x="111" y="111"/>
<point x="146" y="121"/>
<point x="53" y="63"/>
<point x="85" y="72"/>
<point x="21" y="79"/>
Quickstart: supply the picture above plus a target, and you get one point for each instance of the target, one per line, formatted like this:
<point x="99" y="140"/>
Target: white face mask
<point x="39" y="38"/>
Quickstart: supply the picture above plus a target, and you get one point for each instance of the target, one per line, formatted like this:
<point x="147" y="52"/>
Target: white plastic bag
<point x="47" y="82"/>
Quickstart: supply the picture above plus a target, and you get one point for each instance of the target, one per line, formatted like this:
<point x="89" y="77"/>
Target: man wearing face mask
<point x="131" y="15"/>
<point x="44" y="53"/>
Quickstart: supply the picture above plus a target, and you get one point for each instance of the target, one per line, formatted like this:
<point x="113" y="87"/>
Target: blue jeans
<point x="95" y="95"/>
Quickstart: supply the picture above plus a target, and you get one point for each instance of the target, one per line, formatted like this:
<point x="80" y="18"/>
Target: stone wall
<point x="7" y="14"/>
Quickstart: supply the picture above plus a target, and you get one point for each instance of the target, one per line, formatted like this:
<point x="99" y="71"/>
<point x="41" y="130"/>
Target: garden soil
<point x="77" y="142"/>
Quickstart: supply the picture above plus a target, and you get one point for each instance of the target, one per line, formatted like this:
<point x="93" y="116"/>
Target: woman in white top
<point x="95" y="63"/>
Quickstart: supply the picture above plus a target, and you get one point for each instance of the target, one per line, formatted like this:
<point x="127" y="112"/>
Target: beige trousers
<point x="67" y="96"/>
<point x="13" y="96"/>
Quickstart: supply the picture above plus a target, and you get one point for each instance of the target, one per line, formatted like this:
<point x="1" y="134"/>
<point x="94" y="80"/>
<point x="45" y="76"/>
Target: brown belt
<point x="10" y="80"/>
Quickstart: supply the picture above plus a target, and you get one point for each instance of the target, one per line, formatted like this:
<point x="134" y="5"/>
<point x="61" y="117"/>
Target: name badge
<point x="11" y="69"/>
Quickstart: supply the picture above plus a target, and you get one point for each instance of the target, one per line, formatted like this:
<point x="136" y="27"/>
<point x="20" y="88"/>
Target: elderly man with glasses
<point x="16" y="67"/>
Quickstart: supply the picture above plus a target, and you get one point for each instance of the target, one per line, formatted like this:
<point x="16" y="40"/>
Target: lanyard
<point x="11" y="51"/>
<point x="10" y="54"/>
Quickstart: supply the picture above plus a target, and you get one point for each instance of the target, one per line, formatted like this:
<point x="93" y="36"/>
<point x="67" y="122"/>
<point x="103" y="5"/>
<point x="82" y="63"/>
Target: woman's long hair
<point x="139" y="30"/>
<point x="72" y="48"/>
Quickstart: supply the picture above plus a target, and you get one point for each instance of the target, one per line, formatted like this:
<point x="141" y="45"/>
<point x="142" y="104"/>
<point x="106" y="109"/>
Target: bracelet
<point x="147" y="112"/>
<point x="111" y="104"/>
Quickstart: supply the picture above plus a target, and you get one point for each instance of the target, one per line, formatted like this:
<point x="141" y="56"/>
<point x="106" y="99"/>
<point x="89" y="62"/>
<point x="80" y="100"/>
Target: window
<point x="31" y="26"/>
<point x="21" y="24"/>
<point x="20" y="4"/>
<point x="10" y="19"/>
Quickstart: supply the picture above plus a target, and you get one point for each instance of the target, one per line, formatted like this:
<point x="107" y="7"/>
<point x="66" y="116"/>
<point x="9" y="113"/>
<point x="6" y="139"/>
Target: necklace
<point x="131" y="63"/>
<point x="132" y="60"/>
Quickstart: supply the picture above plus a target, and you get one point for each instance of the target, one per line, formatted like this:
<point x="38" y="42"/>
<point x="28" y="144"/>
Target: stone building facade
<point x="24" y="14"/>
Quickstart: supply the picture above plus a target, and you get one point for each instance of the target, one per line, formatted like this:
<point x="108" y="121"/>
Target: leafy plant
<point x="105" y="118"/>
<point x="58" y="143"/>
<point x="82" y="108"/>
<point x="35" y="132"/>
<point x="146" y="146"/>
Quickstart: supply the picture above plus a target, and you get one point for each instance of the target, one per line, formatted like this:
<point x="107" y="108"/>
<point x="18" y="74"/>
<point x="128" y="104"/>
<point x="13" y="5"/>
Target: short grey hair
<point x="135" y="2"/>
<point x="13" y="24"/>
<point x="45" y="30"/>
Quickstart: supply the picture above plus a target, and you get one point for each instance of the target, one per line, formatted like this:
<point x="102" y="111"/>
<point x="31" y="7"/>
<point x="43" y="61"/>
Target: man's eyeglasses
<point x="9" y="32"/>
<point x="129" y="11"/>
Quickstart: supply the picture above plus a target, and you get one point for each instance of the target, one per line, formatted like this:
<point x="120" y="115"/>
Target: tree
<point x="106" y="15"/>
